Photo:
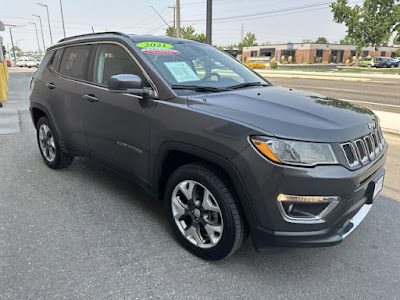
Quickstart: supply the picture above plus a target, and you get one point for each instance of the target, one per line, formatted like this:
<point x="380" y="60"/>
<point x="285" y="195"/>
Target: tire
<point x="228" y="229"/>
<point x="49" y="147"/>
<point x="369" y="66"/>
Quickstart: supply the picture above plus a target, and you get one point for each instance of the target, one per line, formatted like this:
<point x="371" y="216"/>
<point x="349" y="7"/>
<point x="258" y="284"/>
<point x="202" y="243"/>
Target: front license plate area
<point x="377" y="188"/>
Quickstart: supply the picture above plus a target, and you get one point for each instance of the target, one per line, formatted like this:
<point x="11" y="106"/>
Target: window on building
<point x="253" y="53"/>
<point x="74" y="61"/>
<point x="287" y="53"/>
<point x="383" y="53"/>
<point x="318" y="56"/>
<point x="393" y="55"/>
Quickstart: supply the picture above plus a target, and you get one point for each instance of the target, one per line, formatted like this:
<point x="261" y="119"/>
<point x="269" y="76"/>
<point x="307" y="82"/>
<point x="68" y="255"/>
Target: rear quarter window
<point x="44" y="64"/>
<point x="75" y="60"/>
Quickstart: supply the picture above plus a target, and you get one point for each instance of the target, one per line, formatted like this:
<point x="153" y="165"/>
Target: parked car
<point x="20" y="63"/>
<point x="382" y="62"/>
<point x="393" y="62"/>
<point x="366" y="62"/>
<point x="228" y="152"/>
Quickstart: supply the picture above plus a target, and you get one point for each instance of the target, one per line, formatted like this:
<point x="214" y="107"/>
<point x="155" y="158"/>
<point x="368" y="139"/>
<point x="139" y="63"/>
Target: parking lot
<point x="87" y="233"/>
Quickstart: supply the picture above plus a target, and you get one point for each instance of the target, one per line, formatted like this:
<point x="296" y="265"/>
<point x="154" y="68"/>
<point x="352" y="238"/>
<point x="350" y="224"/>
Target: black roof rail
<point x="90" y="34"/>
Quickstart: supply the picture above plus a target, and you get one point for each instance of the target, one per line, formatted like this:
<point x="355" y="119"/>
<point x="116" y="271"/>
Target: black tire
<point x="234" y="228"/>
<point x="61" y="159"/>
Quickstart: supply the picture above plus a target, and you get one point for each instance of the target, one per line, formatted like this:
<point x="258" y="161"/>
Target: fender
<point x="167" y="147"/>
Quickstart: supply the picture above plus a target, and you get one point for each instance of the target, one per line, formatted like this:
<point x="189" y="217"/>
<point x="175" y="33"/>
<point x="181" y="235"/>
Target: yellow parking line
<point x="316" y="77"/>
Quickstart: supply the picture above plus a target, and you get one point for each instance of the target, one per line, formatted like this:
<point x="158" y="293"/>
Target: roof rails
<point x="90" y="34"/>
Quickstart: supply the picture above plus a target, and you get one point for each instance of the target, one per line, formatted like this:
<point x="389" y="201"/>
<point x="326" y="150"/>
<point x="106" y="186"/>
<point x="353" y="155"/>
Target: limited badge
<point x="160" y="51"/>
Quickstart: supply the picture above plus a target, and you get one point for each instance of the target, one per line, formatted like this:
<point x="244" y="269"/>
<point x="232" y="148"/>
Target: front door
<point x="117" y="125"/>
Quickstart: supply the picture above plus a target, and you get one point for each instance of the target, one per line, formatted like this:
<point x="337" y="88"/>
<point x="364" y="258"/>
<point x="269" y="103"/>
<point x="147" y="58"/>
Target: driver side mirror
<point x="128" y="83"/>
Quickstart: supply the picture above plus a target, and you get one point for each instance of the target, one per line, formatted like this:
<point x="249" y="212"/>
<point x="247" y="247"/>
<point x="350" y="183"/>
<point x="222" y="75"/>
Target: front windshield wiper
<point x="197" y="88"/>
<point x="246" y="84"/>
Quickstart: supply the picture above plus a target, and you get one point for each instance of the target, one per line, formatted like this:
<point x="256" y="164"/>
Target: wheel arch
<point x="173" y="155"/>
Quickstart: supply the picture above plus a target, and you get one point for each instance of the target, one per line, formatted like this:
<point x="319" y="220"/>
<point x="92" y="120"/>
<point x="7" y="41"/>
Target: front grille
<point x="364" y="150"/>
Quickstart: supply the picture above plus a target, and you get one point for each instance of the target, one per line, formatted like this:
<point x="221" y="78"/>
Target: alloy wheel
<point x="197" y="214"/>
<point x="46" y="143"/>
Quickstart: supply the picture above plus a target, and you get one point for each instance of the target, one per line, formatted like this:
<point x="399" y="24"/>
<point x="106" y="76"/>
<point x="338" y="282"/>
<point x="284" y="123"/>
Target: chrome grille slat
<point x="364" y="150"/>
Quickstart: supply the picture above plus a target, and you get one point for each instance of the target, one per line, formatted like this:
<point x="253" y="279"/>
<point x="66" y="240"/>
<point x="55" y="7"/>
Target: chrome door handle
<point x="90" y="97"/>
<point x="51" y="86"/>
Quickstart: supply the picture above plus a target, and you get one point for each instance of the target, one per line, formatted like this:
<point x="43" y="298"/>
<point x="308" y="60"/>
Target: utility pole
<point x="37" y="38"/>
<point x="62" y="18"/>
<point x="174" y="8"/>
<point x="41" y="29"/>
<point x="209" y="23"/>
<point x="48" y="19"/>
<point x="178" y="18"/>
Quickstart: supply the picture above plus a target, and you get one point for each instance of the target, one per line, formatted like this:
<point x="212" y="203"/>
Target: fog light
<point x="306" y="209"/>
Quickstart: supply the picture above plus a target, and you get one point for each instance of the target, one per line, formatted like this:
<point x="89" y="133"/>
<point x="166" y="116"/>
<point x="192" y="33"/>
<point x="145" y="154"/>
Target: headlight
<point x="295" y="152"/>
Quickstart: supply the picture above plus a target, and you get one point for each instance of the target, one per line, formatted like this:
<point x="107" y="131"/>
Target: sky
<point x="130" y="16"/>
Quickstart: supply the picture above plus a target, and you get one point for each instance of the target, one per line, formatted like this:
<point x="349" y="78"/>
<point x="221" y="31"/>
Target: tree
<point x="398" y="52"/>
<point x="373" y="23"/>
<point x="248" y="40"/>
<point x="347" y="41"/>
<point x="187" y="32"/>
<point x="321" y="40"/>
<point x="15" y="49"/>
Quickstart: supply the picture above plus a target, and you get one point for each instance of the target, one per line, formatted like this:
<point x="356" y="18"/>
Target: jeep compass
<point x="229" y="153"/>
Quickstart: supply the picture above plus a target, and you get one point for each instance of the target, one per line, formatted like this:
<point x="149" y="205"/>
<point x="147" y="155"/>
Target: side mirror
<point x="127" y="83"/>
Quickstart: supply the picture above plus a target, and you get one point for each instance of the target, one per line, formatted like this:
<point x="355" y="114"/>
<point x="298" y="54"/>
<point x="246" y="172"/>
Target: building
<point x="303" y="53"/>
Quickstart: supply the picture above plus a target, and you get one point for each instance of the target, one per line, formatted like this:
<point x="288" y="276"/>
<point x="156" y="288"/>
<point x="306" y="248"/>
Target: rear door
<point x="117" y="125"/>
<point x="69" y="76"/>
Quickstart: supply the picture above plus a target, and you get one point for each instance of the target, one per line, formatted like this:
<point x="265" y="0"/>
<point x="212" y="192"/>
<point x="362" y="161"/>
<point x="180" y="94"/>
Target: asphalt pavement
<point x="87" y="233"/>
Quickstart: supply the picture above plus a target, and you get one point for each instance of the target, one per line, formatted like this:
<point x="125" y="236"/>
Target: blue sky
<point x="136" y="17"/>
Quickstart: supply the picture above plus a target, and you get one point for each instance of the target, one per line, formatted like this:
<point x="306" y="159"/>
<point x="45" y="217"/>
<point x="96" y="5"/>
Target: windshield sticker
<point x="160" y="51"/>
<point x="154" y="45"/>
<point x="181" y="71"/>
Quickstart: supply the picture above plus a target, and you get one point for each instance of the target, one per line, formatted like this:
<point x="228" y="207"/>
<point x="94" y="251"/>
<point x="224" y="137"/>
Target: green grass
<point x="355" y="70"/>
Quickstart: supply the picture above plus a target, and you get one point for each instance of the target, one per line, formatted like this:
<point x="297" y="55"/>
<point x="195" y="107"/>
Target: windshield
<point x="197" y="66"/>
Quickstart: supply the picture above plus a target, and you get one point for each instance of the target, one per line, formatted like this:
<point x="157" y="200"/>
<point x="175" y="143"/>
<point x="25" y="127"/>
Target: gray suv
<point x="229" y="153"/>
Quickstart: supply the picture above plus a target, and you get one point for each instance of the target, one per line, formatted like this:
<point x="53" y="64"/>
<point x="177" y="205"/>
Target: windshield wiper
<point x="246" y="84"/>
<point x="197" y="88"/>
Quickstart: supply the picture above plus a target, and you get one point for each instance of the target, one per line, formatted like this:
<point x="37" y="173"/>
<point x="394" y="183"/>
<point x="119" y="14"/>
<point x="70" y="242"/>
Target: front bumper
<point x="267" y="180"/>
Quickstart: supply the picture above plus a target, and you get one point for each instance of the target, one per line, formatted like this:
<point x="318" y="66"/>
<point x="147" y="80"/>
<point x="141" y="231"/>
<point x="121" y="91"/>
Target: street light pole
<point x="178" y="18"/>
<point x="12" y="43"/>
<point x="41" y="29"/>
<point x="62" y="18"/>
<point x="37" y="38"/>
<point x="48" y="19"/>
<point x="209" y="23"/>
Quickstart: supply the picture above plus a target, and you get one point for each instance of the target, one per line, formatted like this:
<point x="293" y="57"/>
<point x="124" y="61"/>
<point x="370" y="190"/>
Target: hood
<point x="289" y="113"/>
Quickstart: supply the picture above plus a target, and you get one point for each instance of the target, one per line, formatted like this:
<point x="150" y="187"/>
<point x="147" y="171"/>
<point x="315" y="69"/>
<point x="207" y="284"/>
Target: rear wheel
<point x="49" y="148"/>
<point x="203" y="213"/>
<point x="369" y="66"/>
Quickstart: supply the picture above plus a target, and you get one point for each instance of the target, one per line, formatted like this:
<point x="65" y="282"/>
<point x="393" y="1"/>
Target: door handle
<point x="90" y="97"/>
<point x="51" y="85"/>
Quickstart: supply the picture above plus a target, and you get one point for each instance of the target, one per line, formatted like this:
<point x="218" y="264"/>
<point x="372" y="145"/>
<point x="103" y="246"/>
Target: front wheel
<point x="203" y="212"/>
<point x="49" y="148"/>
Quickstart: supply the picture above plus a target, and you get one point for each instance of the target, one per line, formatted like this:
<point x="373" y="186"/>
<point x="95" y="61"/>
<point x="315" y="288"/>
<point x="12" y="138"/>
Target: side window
<point x="56" y="60"/>
<point x="112" y="60"/>
<point x="74" y="61"/>
<point x="44" y="64"/>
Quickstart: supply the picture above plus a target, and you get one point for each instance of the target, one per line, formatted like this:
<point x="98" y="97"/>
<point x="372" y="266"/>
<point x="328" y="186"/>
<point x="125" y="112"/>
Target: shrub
<point x="255" y="65"/>
<point x="347" y="62"/>
<point x="290" y="59"/>
<point x="354" y="58"/>
<point x="282" y="59"/>
<point x="273" y="64"/>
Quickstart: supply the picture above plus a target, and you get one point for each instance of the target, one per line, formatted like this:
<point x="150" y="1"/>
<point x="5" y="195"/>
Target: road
<point x="87" y="233"/>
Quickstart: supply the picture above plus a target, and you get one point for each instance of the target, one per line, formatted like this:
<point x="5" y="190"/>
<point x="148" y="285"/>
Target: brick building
<point x="314" y="53"/>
